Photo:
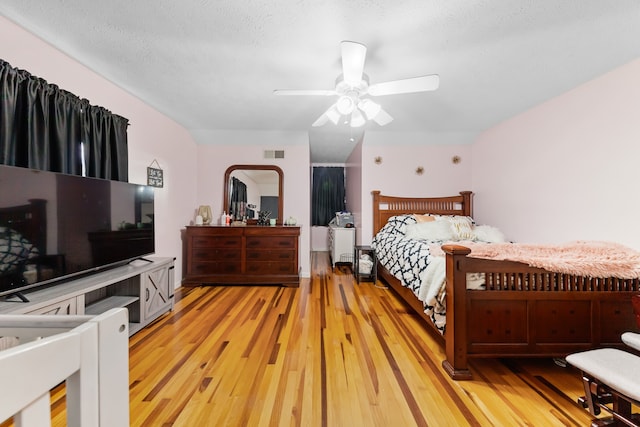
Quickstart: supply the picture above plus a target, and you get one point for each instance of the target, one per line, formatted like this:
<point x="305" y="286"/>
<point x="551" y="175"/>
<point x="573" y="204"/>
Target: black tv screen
<point x="55" y="226"/>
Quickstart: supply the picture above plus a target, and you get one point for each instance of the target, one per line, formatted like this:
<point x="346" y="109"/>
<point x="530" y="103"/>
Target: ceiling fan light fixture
<point x="357" y="119"/>
<point x="383" y="118"/>
<point x="345" y="105"/>
<point x="332" y="114"/>
<point x="370" y="108"/>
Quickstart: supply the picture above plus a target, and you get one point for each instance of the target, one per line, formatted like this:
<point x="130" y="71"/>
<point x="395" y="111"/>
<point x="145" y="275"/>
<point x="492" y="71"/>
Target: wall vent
<point x="274" y="154"/>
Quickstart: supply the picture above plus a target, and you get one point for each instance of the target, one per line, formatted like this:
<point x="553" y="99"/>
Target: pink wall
<point x="396" y="175"/>
<point x="566" y="169"/>
<point x="228" y="148"/>
<point x="151" y="134"/>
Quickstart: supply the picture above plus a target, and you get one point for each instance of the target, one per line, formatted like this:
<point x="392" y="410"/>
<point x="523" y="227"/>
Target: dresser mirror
<point x="249" y="189"/>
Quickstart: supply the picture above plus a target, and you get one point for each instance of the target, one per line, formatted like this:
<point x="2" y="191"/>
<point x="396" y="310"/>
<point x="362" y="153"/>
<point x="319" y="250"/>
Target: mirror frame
<point x="227" y="176"/>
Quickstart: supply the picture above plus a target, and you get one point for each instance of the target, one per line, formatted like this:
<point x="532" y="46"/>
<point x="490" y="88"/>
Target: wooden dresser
<point x="248" y="255"/>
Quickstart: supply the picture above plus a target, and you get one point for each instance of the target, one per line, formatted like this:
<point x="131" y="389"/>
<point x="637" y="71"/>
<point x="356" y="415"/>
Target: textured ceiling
<point x="214" y="64"/>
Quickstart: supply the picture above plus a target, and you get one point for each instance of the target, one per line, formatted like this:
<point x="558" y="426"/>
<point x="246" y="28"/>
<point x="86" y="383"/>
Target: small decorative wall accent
<point x="419" y="170"/>
<point x="456" y="159"/>
<point x="154" y="175"/>
<point x="377" y="160"/>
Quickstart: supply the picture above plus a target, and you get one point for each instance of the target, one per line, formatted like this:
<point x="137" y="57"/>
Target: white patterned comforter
<point x="411" y="262"/>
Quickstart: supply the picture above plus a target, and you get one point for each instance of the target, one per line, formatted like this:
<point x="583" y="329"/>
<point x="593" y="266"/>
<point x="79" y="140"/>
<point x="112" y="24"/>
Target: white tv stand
<point x="144" y="287"/>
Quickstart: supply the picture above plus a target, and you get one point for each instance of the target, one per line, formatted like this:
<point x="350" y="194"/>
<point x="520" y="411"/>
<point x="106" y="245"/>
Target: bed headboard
<point x="28" y="220"/>
<point x="384" y="207"/>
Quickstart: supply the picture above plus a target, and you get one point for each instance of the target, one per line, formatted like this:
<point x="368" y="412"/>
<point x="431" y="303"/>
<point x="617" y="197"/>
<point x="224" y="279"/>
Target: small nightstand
<point x="359" y="250"/>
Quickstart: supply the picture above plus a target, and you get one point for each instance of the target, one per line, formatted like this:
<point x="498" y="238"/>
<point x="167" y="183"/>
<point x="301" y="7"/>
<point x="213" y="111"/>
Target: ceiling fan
<point x="353" y="84"/>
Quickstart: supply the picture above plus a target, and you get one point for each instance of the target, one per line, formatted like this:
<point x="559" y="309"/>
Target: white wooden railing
<point x="90" y="353"/>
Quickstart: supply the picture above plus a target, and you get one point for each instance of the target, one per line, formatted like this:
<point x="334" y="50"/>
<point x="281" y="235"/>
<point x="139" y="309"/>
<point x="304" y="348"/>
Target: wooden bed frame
<point x="524" y="311"/>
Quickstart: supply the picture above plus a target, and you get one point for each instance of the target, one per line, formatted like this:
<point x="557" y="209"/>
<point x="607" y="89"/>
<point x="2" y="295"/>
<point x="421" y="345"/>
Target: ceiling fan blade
<point x="382" y="118"/>
<point x="321" y="120"/>
<point x="331" y="114"/>
<point x="304" y="92"/>
<point x="353" y="56"/>
<point x="415" y="84"/>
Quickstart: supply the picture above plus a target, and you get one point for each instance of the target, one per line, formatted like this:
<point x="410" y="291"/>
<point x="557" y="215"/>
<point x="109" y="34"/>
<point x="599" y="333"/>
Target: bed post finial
<point x="376" y="211"/>
<point x="467" y="200"/>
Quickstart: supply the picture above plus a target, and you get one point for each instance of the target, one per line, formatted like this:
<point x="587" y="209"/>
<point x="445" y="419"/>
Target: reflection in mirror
<point x="250" y="189"/>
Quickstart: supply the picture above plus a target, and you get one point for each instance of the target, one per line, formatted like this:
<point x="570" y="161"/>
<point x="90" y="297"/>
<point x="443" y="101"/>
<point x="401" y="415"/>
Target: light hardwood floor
<point x="330" y="353"/>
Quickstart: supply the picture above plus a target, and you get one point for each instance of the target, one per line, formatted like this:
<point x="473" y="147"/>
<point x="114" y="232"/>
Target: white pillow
<point x="462" y="226"/>
<point x="489" y="234"/>
<point x="434" y="231"/>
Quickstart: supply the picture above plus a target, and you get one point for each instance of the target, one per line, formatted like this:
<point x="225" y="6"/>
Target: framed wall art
<point x="155" y="176"/>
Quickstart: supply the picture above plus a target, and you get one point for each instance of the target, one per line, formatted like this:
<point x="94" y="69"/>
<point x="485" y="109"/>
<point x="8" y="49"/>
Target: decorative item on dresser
<point x="204" y="212"/>
<point x="250" y="255"/>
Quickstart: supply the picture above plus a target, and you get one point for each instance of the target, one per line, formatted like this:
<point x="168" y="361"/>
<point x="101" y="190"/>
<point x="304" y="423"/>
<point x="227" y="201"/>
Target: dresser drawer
<point x="270" y="267"/>
<point x="272" y="231"/>
<point x="217" y="242"/>
<point x="271" y="255"/>
<point x="200" y="254"/>
<point x="268" y="242"/>
<point x="217" y="267"/>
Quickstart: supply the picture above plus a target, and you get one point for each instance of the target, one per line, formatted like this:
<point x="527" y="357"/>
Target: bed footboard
<point x="529" y="312"/>
<point x="89" y="353"/>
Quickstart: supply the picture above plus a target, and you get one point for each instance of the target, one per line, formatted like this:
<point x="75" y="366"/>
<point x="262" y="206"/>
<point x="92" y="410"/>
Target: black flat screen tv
<point x="54" y="227"/>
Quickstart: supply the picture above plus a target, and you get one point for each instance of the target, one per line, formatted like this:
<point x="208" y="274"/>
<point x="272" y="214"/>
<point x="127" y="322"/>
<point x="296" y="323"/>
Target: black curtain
<point x="238" y="199"/>
<point x="327" y="195"/>
<point x="43" y="127"/>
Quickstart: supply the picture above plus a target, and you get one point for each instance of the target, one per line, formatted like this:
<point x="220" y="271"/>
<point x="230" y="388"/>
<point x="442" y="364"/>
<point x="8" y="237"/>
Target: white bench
<point x="90" y="353"/>
<point x="611" y="377"/>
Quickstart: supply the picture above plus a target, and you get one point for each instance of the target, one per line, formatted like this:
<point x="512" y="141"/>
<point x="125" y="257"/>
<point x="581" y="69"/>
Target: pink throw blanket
<point x="581" y="258"/>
